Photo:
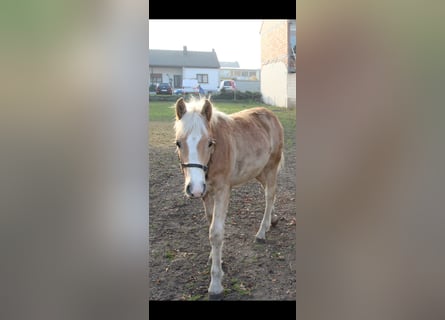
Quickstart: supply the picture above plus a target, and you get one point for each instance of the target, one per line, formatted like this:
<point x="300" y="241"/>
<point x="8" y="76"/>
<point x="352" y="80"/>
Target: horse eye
<point x="210" y="143"/>
<point x="178" y="144"/>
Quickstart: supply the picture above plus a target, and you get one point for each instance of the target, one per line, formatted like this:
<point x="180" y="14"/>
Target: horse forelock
<point x="194" y="122"/>
<point x="191" y="122"/>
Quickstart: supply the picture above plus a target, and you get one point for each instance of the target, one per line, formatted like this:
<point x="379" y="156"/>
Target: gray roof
<point x="183" y="58"/>
<point x="234" y="64"/>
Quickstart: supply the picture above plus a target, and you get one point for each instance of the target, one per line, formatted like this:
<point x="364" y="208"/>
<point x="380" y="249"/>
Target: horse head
<point x="194" y="143"/>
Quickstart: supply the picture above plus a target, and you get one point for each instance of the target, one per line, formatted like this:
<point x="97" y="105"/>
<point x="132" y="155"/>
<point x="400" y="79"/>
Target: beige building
<point x="246" y="79"/>
<point x="278" y="78"/>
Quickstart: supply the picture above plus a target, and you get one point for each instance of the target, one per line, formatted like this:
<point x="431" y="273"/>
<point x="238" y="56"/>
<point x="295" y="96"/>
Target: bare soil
<point x="178" y="233"/>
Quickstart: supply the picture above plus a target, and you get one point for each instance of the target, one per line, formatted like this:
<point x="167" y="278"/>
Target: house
<point x="246" y="79"/>
<point x="174" y="66"/>
<point x="278" y="77"/>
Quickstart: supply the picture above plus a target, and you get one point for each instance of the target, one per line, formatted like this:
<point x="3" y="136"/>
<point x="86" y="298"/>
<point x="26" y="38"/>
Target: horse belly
<point x="248" y="168"/>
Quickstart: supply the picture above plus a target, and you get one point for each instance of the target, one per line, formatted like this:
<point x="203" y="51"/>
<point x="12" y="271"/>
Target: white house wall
<point x="167" y="73"/>
<point x="213" y="76"/>
<point x="248" y="85"/>
<point x="274" y="84"/>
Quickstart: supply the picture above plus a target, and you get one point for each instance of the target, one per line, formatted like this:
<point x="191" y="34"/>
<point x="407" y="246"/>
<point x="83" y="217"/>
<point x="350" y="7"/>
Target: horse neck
<point x="222" y="156"/>
<point x="220" y="129"/>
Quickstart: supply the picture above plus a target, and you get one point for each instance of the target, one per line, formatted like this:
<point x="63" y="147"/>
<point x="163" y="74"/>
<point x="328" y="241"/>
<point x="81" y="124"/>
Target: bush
<point x="163" y="98"/>
<point x="240" y="95"/>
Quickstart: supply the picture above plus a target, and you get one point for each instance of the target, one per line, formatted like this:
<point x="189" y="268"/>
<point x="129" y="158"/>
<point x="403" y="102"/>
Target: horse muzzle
<point x="197" y="190"/>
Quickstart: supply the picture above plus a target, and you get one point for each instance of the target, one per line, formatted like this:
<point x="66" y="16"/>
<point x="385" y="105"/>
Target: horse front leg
<point x="209" y="208"/>
<point x="216" y="237"/>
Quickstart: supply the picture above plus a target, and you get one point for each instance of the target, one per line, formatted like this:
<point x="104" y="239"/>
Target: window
<point x="156" y="78"/>
<point x="202" y="78"/>
<point x="253" y="75"/>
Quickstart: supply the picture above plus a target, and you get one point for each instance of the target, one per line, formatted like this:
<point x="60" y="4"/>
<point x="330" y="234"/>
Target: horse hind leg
<point x="269" y="182"/>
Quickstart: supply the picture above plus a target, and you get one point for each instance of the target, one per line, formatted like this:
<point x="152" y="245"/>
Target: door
<point x="177" y="81"/>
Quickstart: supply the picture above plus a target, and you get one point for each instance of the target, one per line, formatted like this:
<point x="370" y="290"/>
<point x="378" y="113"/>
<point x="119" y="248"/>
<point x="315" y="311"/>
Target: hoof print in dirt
<point x="216" y="297"/>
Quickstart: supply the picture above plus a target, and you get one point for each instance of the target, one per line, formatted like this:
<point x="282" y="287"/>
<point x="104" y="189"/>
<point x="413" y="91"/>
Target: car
<point x="164" y="88"/>
<point x="227" y="85"/>
<point x="184" y="91"/>
<point x="196" y="90"/>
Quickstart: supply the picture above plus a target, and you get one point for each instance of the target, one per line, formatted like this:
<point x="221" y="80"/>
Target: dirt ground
<point x="178" y="233"/>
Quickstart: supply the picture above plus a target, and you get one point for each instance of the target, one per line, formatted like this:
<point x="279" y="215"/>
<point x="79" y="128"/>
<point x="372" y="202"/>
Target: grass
<point x="277" y="255"/>
<point x="162" y="111"/>
<point x="170" y="255"/>
<point x="189" y="297"/>
<point x="162" y="116"/>
<point x="196" y="297"/>
<point x="238" y="287"/>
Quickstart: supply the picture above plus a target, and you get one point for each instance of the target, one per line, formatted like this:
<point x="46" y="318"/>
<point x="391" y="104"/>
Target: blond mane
<point x="193" y="121"/>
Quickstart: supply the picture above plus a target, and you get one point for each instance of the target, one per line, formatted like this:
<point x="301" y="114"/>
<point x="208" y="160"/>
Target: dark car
<point x="164" y="88"/>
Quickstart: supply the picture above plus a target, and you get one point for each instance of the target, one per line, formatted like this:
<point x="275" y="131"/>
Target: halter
<point x="195" y="165"/>
<point x="204" y="168"/>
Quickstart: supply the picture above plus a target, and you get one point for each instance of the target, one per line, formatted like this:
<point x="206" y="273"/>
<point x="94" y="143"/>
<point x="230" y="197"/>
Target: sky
<point x="233" y="40"/>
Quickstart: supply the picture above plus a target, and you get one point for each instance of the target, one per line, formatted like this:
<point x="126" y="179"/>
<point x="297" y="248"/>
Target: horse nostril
<point x="204" y="188"/>
<point x="188" y="191"/>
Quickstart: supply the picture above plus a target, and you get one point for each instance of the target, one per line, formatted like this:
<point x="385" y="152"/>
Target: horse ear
<point x="180" y="108"/>
<point x="207" y="110"/>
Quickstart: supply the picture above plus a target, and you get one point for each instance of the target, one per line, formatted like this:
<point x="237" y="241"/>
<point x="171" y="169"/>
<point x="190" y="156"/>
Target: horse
<point x="219" y="151"/>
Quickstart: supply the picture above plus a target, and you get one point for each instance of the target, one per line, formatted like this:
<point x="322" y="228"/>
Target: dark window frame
<point x="202" y="77"/>
<point x="156" y="78"/>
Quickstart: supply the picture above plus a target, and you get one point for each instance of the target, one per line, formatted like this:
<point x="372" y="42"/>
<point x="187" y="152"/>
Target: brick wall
<point x="274" y="42"/>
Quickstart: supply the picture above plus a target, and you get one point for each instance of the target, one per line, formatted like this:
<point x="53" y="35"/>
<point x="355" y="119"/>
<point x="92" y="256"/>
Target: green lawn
<point x="162" y="114"/>
<point x="163" y="110"/>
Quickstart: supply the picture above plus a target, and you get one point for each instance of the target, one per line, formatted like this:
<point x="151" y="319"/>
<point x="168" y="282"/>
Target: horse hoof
<point x="259" y="240"/>
<point x="216" y="296"/>
<point x="274" y="220"/>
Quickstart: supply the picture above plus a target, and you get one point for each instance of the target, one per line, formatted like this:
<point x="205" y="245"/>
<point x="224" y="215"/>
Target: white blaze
<point x="196" y="176"/>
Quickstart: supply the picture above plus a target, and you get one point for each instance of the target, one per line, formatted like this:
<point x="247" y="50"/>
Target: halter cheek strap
<point x="195" y="165"/>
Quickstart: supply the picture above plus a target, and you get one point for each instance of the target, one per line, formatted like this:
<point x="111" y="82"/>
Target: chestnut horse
<point x="217" y="152"/>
